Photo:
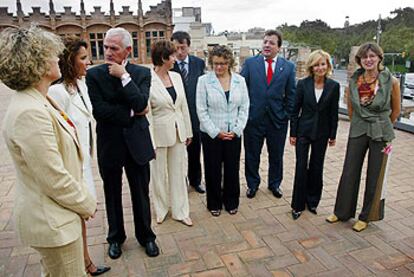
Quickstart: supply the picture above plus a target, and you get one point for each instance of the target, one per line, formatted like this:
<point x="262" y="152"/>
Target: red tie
<point x="269" y="70"/>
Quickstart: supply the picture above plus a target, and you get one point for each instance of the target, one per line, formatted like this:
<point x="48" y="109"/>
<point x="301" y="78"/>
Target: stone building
<point x="145" y="28"/>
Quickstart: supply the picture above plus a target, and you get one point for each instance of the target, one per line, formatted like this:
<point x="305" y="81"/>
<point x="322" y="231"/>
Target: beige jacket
<point x="50" y="194"/>
<point x="166" y="117"/>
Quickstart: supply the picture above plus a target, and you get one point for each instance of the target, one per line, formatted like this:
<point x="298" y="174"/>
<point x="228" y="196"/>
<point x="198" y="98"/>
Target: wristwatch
<point x="125" y="76"/>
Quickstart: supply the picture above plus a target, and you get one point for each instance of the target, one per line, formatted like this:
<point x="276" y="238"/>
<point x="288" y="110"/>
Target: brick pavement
<point x="261" y="240"/>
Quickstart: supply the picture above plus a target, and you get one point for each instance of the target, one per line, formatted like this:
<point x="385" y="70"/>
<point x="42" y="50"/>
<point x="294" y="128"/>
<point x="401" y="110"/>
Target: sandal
<point x="233" y="212"/>
<point x="215" y="212"/>
<point x="99" y="269"/>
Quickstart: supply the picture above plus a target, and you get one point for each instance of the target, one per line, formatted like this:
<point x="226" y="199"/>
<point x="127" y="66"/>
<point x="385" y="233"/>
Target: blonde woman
<point x="51" y="197"/>
<point x="312" y="128"/>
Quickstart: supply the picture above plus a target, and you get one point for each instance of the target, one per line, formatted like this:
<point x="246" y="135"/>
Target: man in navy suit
<point x="271" y="83"/>
<point x="190" y="67"/>
<point x="119" y="94"/>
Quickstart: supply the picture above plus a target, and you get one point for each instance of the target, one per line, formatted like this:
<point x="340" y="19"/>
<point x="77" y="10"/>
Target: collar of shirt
<point x="273" y="63"/>
<point x="186" y="60"/>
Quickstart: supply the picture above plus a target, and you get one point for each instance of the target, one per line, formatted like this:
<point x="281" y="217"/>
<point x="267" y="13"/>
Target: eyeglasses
<point x="220" y="64"/>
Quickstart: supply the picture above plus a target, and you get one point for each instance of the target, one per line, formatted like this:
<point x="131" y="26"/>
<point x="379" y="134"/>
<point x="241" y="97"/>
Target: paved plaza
<point x="261" y="240"/>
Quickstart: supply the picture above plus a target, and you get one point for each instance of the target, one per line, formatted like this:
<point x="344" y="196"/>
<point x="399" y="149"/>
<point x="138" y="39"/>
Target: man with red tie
<point x="271" y="83"/>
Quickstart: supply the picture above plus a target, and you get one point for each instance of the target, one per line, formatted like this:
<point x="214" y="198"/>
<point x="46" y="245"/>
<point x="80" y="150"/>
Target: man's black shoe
<point x="199" y="189"/>
<point x="114" y="250"/>
<point x="277" y="192"/>
<point x="151" y="249"/>
<point x="251" y="193"/>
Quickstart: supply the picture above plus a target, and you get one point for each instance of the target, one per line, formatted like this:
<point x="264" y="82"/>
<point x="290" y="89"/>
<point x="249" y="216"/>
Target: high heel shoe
<point x="187" y="221"/>
<point x="161" y="220"/>
<point x="99" y="269"/>
<point x="295" y="214"/>
<point x="332" y="218"/>
<point x="313" y="210"/>
<point x="215" y="212"/>
<point x="360" y="226"/>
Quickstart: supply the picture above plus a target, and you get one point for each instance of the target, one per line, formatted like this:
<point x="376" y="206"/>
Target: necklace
<point x="374" y="79"/>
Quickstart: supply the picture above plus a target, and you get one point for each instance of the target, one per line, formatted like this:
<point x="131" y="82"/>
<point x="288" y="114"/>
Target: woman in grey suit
<point x="222" y="107"/>
<point x="71" y="93"/>
<point x="170" y="127"/>
<point x="312" y="128"/>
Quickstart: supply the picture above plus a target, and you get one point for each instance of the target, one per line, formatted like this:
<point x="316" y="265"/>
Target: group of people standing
<point x="149" y="121"/>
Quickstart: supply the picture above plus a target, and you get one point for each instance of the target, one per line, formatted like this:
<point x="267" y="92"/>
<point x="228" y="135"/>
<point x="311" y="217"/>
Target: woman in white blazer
<point x="71" y="93"/>
<point x="170" y="127"/>
<point x="222" y="107"/>
<point x="51" y="197"/>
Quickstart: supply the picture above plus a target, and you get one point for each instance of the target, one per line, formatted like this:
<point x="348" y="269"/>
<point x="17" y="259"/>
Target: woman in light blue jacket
<point x="222" y="107"/>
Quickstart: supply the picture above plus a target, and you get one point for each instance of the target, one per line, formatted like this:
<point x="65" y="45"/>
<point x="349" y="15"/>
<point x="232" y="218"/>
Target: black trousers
<point x="194" y="164"/>
<point x="308" y="182"/>
<point x="138" y="178"/>
<point x="221" y="157"/>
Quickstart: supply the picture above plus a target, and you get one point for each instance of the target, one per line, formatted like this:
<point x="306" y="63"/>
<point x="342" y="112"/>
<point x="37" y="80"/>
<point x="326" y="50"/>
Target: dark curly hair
<point x="161" y="50"/>
<point x="67" y="59"/>
<point x="223" y="52"/>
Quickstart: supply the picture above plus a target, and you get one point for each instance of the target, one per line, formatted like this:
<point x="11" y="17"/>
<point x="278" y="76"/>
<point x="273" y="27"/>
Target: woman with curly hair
<point x="71" y="93"/>
<point x="51" y="197"/>
<point x="222" y="107"/>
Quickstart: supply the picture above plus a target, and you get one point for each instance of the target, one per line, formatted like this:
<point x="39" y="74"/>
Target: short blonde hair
<point x="314" y="58"/>
<point x="25" y="54"/>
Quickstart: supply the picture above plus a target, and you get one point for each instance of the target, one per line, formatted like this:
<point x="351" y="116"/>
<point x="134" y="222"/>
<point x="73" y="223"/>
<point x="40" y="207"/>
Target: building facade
<point x="146" y="28"/>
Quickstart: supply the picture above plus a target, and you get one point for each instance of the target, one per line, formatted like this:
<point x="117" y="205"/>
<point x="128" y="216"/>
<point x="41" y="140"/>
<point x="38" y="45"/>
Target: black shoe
<point x="295" y="215"/>
<point x="199" y="189"/>
<point x="114" y="250"/>
<point x="151" y="249"/>
<point x="251" y="193"/>
<point x="277" y="192"/>
<point x="312" y="210"/>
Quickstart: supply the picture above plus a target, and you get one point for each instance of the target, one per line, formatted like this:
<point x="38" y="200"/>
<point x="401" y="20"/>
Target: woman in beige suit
<point x="51" y="197"/>
<point x="171" y="132"/>
<point x="71" y="93"/>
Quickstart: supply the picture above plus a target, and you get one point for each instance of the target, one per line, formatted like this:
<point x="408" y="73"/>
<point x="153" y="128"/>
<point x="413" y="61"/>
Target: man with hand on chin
<point x="119" y="94"/>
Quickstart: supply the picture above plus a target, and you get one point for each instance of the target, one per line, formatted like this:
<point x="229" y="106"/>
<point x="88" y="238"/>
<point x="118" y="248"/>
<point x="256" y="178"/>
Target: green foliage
<point x="397" y="35"/>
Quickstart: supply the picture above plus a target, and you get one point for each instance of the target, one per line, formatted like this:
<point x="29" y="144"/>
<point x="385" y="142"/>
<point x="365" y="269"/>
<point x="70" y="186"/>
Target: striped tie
<point x="184" y="72"/>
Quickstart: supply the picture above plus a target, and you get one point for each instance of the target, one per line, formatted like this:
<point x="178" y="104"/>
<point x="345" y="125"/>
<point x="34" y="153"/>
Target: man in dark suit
<point x="271" y="83"/>
<point x="119" y="94"/>
<point x="190" y="68"/>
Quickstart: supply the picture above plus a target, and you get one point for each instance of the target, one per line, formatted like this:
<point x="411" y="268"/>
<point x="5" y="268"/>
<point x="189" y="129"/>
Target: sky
<point x="240" y="15"/>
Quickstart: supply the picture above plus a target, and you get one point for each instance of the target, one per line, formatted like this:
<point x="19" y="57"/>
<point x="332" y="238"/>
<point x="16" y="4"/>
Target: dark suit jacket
<point x="315" y="119"/>
<point x="117" y="132"/>
<point x="196" y="68"/>
<point x="276" y="99"/>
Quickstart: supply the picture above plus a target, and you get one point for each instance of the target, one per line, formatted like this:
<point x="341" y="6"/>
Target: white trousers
<point x="168" y="182"/>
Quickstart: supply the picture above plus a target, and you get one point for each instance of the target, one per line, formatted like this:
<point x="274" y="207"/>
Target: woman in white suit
<point x="51" y="197"/>
<point x="71" y="93"/>
<point x="222" y="107"/>
<point x="170" y="128"/>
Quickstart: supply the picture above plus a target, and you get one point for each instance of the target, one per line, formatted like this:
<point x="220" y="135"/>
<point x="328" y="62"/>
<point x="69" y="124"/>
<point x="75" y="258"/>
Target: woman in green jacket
<point x="373" y="106"/>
